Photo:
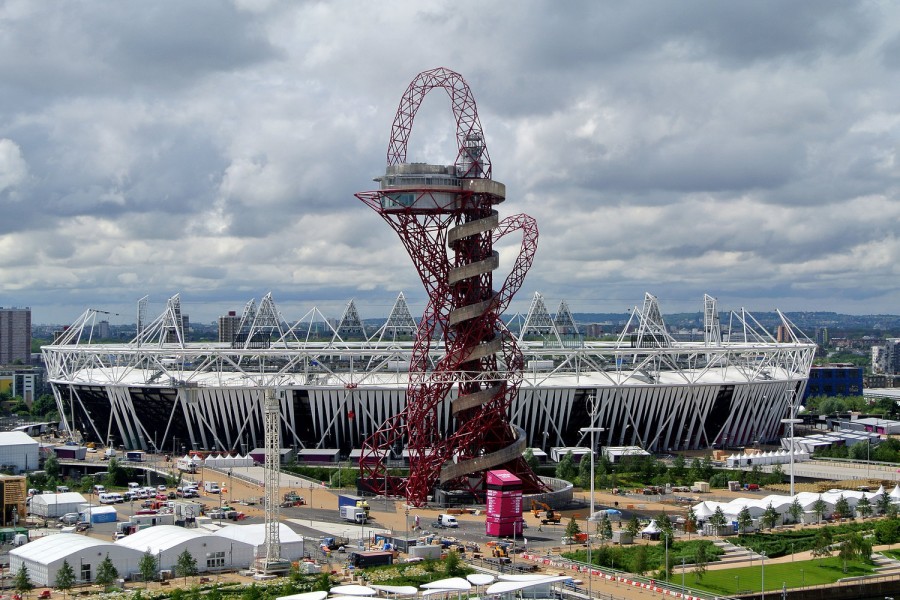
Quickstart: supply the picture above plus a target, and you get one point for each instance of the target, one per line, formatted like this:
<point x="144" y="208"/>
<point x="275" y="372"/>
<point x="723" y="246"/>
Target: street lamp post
<point x="592" y="430"/>
<point x="762" y="572"/>
<point x="792" y="421"/>
<point x="666" y="565"/>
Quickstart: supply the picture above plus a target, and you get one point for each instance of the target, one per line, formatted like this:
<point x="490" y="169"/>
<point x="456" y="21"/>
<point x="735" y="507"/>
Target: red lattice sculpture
<point x="446" y="219"/>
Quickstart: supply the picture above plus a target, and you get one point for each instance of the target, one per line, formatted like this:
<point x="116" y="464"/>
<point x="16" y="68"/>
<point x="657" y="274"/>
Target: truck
<point x="353" y="513"/>
<point x="372" y="558"/>
<point x="357" y="501"/>
<point x="211" y="487"/>
<point x="578" y="538"/>
<point x="448" y="521"/>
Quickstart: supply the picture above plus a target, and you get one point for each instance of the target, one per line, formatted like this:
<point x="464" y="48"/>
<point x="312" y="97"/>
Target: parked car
<point x="69" y="518"/>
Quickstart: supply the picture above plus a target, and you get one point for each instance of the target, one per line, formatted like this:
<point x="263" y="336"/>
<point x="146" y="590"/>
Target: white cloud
<point x="746" y="150"/>
<point x="13" y="168"/>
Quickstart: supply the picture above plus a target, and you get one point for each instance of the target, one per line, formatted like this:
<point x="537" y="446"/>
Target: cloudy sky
<point x="742" y="149"/>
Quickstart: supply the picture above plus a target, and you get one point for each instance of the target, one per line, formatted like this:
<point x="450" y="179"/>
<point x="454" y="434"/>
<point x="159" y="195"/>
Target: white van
<point x="133" y="486"/>
<point x="211" y="487"/>
<point x="99" y="489"/>
<point x="448" y="521"/>
<point x="107" y="498"/>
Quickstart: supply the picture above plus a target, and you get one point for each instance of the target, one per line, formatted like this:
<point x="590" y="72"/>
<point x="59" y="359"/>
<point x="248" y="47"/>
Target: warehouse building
<point x="52" y="506"/>
<point x="45" y="556"/>
<point x="18" y="452"/>
<point x="255" y="535"/>
<point x="212" y="553"/>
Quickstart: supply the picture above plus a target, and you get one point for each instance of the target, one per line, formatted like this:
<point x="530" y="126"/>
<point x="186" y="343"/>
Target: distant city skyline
<point x="744" y="150"/>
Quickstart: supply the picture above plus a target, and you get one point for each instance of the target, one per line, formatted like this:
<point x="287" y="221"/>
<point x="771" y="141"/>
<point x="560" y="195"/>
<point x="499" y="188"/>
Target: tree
<point x="531" y="459"/>
<point x="51" y="466"/>
<point x="795" y="510"/>
<point x="755" y="474"/>
<point x="883" y="502"/>
<point x="665" y="526"/>
<point x="744" y="520"/>
<point x="148" y="566"/>
<point x="584" y="471"/>
<point x="322" y="582"/>
<point x="452" y="564"/>
<point x="822" y="542"/>
<point x="864" y="507"/>
<point x="717" y="519"/>
<point x="769" y="517"/>
<point x="776" y="475"/>
<point x="213" y="594"/>
<point x="566" y="470"/>
<point x="633" y="526"/>
<point x="605" y="527"/>
<point x="86" y="484"/>
<point x="842" y="508"/>
<point x="22" y="582"/>
<point x="65" y="578"/>
<point x="639" y="563"/>
<point x="887" y="531"/>
<point x="706" y="468"/>
<point x="859" y="452"/>
<point x="701" y="559"/>
<point x="106" y="573"/>
<point x="696" y="470"/>
<point x="854" y="546"/>
<point x="115" y="473"/>
<point x="819" y="507"/>
<point x="186" y="565"/>
<point x="44" y="407"/>
<point x="678" y="470"/>
<point x="690" y="522"/>
<point x="572" y="529"/>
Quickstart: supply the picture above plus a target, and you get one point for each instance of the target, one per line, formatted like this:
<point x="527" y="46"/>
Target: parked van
<point x="448" y="521"/>
<point x="107" y="498"/>
<point x="133" y="486"/>
<point x="99" y="489"/>
<point x="62" y="489"/>
<point x="211" y="487"/>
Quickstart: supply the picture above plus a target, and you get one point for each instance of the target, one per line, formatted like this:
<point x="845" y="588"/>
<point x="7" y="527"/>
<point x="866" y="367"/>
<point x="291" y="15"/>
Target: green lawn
<point x="796" y="574"/>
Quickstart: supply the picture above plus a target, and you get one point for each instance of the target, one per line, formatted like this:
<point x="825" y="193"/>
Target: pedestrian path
<point x="734" y="553"/>
<point x="885" y="565"/>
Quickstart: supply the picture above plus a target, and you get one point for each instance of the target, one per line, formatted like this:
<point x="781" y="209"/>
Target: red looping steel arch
<point x="462" y="102"/>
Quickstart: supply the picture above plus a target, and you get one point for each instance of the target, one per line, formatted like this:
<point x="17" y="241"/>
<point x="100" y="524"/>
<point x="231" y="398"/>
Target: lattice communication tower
<point x="445" y="217"/>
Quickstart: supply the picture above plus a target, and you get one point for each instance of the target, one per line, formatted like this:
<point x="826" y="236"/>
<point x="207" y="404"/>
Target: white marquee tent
<point x="45" y="556"/>
<point x="255" y="536"/>
<point x="166" y="542"/>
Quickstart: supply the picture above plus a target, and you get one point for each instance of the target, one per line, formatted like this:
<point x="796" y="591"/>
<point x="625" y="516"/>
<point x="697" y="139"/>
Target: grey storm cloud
<point x="747" y="150"/>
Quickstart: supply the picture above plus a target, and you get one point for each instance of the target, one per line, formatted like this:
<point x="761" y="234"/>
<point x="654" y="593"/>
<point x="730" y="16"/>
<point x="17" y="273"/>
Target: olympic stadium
<point x="336" y="386"/>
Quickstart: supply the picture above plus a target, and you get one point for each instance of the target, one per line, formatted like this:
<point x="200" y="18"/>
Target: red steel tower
<point x="445" y="217"/>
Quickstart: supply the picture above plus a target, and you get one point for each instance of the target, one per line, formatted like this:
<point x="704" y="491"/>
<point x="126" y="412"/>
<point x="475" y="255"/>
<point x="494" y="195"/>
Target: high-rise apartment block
<point x="886" y="358"/>
<point x="15" y="336"/>
<point x="229" y="325"/>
